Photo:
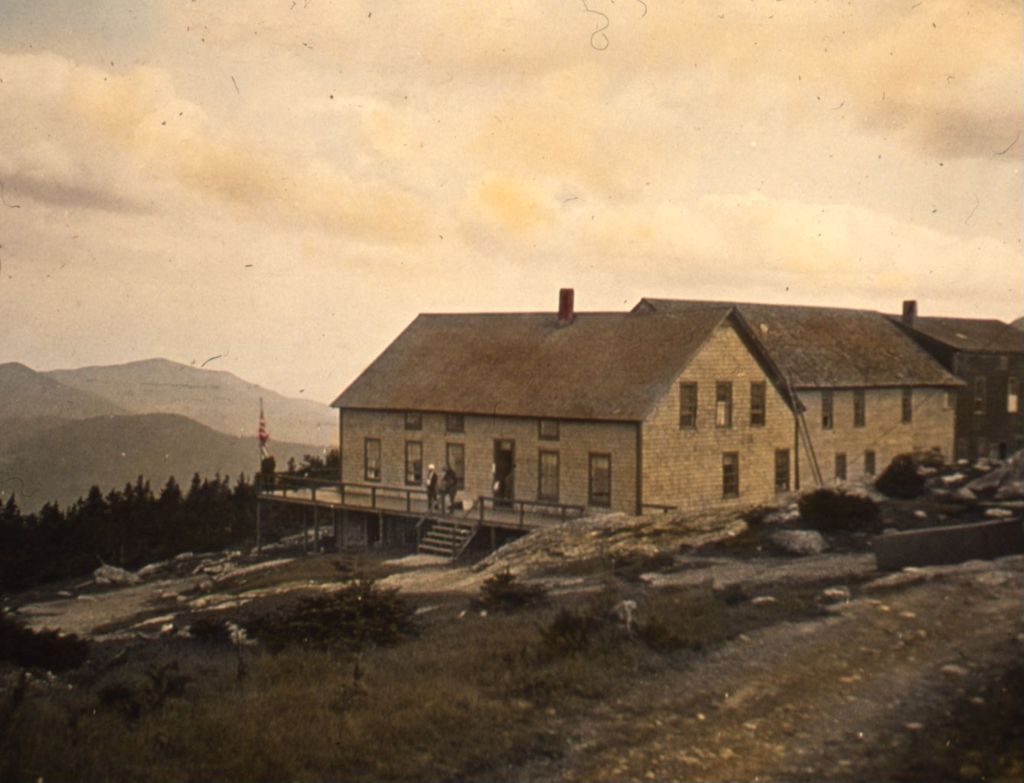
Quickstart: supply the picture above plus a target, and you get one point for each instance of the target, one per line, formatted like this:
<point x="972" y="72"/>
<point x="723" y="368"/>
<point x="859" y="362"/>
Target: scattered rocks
<point x="952" y="479"/>
<point x="998" y="513"/>
<point x="835" y="595"/>
<point x="954" y="671"/>
<point x="919" y="514"/>
<point x="965" y="494"/>
<point x="112" y="575"/>
<point x="799" y="542"/>
<point x="763" y="600"/>
<point x="899" y="579"/>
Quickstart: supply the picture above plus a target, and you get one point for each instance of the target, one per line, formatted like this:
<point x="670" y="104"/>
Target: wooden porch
<point x="411" y="503"/>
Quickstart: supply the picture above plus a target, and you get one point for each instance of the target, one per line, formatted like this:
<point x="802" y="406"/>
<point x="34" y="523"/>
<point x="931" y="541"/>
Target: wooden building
<point x="988" y="355"/>
<point x="674" y="404"/>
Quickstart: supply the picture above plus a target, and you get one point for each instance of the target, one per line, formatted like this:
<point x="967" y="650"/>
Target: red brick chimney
<point x="565" y="306"/>
<point x="909" y="311"/>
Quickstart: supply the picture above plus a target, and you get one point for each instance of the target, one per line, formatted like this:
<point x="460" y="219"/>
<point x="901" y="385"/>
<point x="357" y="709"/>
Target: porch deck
<point x="412" y="502"/>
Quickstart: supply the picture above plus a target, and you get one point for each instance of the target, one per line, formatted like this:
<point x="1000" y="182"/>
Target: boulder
<point x="840" y="594"/>
<point x="799" y="542"/>
<point x="112" y="575"/>
<point x="1011" y="490"/>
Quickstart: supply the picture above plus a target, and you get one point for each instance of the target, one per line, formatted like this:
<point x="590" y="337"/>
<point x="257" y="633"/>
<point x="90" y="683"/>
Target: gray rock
<point x="799" y="542"/>
<point x="1011" y="490"/>
<point x="964" y="494"/>
<point x="839" y="594"/>
<point x="112" y="575"/>
<point x="998" y="513"/>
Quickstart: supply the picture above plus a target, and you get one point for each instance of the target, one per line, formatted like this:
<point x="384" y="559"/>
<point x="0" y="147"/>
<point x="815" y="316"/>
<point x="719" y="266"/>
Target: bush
<point x="502" y="592"/>
<point x="210" y="631"/>
<point x="570" y="632"/>
<point x="40" y="649"/>
<point x="827" y="509"/>
<point x="357" y="615"/>
<point x="901" y="479"/>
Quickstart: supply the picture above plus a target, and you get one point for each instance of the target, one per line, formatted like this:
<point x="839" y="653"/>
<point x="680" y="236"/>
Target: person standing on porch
<point x="431" y="487"/>
<point x="449" y="486"/>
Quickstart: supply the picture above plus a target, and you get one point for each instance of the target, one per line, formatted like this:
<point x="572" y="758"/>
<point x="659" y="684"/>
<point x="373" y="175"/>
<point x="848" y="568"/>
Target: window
<point x="840" y="467"/>
<point x="730" y="474"/>
<point x="413" y="462"/>
<point x="455" y="458"/>
<point x="979" y="394"/>
<point x="414" y="420"/>
<point x="908" y="406"/>
<point x="782" y="470"/>
<point x="1012" y="395"/>
<point x="688" y="406"/>
<point x="827" y="418"/>
<point x="547" y="429"/>
<point x="723" y="404"/>
<point x="757" y="404"/>
<point x="1004" y="362"/>
<point x="454" y="422"/>
<point x="859" y="408"/>
<point x="371" y="459"/>
<point x="600" y="489"/>
<point x="949" y="401"/>
<point x="547" y="476"/>
<point x="869" y="463"/>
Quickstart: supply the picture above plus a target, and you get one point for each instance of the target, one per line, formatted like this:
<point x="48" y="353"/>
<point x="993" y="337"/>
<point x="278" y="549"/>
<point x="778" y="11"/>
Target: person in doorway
<point x="431" y="487"/>
<point x="449" y="485"/>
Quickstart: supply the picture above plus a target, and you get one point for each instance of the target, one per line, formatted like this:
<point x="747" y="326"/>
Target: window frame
<point x="413" y="421"/>
<point x="907" y="405"/>
<point x="415" y="482"/>
<point x="1012" y="394"/>
<point x="759" y="394"/>
<point x="541" y="454"/>
<point x="782" y="460"/>
<point x="454" y="423"/>
<point x="724" y="421"/>
<point x="860" y="408"/>
<point x="688" y="405"/>
<point x="980" y="393"/>
<point x="841" y="475"/>
<point x="542" y="435"/>
<point x="730" y="482"/>
<point x="366" y="459"/>
<point x="593" y="499"/>
<point x="870" y="462"/>
<point x="828" y="409"/>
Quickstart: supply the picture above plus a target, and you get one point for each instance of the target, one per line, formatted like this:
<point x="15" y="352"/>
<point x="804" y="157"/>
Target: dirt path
<point x="849" y="696"/>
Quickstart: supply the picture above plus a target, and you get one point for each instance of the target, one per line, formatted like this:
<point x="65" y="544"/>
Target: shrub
<point x="901" y="479"/>
<point x="503" y="592"/>
<point x="357" y="615"/>
<point x="210" y="631"/>
<point x="827" y="509"/>
<point x="570" y="632"/>
<point x="41" y="649"/>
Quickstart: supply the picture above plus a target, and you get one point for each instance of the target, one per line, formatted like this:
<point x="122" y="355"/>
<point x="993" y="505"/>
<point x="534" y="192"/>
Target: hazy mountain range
<point x="65" y="430"/>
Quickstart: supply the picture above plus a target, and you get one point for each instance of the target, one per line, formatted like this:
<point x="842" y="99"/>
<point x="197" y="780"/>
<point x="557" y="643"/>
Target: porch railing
<point x="518" y="509"/>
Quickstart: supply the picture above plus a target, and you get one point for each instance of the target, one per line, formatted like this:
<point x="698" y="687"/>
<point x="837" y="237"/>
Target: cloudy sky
<point x="286" y="183"/>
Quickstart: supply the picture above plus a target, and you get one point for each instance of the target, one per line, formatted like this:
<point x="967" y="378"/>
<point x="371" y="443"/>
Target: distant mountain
<point x="25" y="393"/>
<point x="215" y="398"/>
<point x="61" y="461"/>
<point x="1018" y="324"/>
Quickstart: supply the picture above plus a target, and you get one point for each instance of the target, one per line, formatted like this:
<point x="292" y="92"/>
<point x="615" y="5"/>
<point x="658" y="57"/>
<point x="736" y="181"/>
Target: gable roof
<point x="976" y="335"/>
<point x="828" y="347"/>
<point x="606" y="366"/>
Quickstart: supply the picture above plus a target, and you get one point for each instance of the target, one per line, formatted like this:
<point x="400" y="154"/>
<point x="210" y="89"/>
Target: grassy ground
<point x="466" y="695"/>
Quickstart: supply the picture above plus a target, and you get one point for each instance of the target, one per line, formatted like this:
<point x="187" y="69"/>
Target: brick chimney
<point x="566" y="314"/>
<point x="909" y="311"/>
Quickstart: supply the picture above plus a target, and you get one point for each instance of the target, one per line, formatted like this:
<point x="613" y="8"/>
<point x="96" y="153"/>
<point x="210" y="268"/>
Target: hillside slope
<point x="26" y="393"/>
<point x="62" y="462"/>
<point x="215" y="398"/>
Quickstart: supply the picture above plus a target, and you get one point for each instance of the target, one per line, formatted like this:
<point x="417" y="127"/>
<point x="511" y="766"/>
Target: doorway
<point x="504" y="470"/>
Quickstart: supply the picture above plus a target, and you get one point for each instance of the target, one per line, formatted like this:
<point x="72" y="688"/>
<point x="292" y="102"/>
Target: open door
<point x="504" y="469"/>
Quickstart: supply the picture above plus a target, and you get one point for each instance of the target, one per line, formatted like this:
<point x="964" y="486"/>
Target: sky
<point x="285" y="184"/>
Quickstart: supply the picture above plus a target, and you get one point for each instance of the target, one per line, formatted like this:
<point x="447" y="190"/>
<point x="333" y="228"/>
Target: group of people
<point x="448" y="484"/>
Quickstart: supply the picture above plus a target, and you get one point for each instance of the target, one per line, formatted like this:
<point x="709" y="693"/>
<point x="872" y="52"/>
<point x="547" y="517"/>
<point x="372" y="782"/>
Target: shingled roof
<point x="827" y="347"/>
<point x="976" y="335"/>
<point x="605" y="366"/>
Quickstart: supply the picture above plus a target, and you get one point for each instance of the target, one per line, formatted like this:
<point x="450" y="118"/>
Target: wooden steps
<point x="447" y="537"/>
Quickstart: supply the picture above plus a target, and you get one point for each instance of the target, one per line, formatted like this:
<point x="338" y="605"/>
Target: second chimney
<point x="909" y="311"/>
<point x="565" y="307"/>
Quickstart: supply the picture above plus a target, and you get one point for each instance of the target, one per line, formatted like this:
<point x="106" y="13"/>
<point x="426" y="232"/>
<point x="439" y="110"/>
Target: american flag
<point x="264" y="436"/>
